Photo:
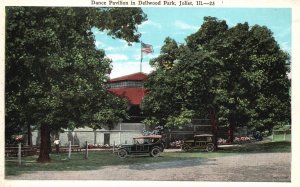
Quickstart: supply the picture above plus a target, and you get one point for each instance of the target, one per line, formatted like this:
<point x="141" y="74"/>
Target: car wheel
<point x="122" y="153"/>
<point x="186" y="147"/>
<point x="155" y="152"/>
<point x="210" y="147"/>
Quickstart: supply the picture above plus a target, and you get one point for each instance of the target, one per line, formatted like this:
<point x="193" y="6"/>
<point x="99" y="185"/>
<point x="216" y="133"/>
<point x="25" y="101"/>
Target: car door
<point x="134" y="146"/>
<point x="139" y="147"/>
<point x="143" y="147"/>
<point x="147" y="146"/>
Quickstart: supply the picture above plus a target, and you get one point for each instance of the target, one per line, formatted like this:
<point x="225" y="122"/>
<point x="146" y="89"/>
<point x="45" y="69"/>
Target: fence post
<point x="272" y="136"/>
<point x="19" y="154"/>
<point x="284" y="135"/>
<point x="69" y="156"/>
<point x="86" y="150"/>
<point x="114" y="148"/>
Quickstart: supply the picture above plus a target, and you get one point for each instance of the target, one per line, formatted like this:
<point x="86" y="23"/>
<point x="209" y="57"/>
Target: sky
<point x="178" y="23"/>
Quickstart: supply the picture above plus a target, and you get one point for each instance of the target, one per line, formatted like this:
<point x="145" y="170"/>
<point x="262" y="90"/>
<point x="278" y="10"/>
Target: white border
<point x="295" y="90"/>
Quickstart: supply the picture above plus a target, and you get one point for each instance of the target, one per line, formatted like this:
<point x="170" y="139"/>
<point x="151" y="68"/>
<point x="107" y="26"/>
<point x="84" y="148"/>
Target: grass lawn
<point x="98" y="159"/>
<point x="259" y="147"/>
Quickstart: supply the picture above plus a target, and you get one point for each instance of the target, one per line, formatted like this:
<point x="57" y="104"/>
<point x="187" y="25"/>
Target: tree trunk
<point x="214" y="126"/>
<point x="29" y="135"/>
<point x="230" y="133"/>
<point x="49" y="143"/>
<point x="232" y="124"/>
<point x="44" y="146"/>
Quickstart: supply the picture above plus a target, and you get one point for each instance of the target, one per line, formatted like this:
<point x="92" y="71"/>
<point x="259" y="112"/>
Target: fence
<point x="281" y="135"/>
<point x="20" y="151"/>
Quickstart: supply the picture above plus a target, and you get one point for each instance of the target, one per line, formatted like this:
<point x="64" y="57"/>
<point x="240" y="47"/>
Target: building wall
<point x="121" y="134"/>
<point x="35" y="138"/>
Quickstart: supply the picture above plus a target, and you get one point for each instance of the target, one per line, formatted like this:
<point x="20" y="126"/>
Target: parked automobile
<point x="258" y="136"/>
<point x="151" y="144"/>
<point x="200" y="141"/>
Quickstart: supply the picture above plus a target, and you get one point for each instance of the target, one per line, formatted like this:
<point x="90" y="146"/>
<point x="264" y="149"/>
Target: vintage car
<point x="201" y="141"/>
<point x="151" y="144"/>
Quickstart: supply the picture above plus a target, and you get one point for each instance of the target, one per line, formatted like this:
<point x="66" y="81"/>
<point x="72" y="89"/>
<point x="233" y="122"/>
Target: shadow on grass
<point x="96" y="160"/>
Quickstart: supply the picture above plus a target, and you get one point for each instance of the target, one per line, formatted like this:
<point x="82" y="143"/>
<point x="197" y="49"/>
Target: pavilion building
<point x="130" y="87"/>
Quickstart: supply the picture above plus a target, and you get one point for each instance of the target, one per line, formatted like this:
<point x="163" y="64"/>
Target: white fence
<point x="281" y="135"/>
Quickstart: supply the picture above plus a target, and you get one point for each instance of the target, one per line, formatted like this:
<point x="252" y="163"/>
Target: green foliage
<point x="168" y="55"/>
<point x="182" y="119"/>
<point x="176" y="95"/>
<point x="121" y="22"/>
<point x="282" y="127"/>
<point x="240" y="71"/>
<point x="54" y="74"/>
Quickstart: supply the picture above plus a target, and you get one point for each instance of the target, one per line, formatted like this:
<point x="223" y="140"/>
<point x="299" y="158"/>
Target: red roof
<point x="134" y="95"/>
<point x="132" y="77"/>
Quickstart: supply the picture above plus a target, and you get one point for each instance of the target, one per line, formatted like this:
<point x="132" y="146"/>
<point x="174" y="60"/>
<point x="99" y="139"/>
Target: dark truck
<point x="151" y="144"/>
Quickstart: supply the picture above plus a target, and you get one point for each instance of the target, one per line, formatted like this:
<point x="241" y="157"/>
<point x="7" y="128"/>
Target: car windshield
<point x="144" y="140"/>
<point x="138" y="141"/>
<point x="204" y="138"/>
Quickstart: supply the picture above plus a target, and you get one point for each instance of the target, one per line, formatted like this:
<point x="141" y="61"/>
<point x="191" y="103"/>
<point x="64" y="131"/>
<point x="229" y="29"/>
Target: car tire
<point x="186" y="147"/>
<point x="122" y="153"/>
<point x="155" y="152"/>
<point x="210" y="147"/>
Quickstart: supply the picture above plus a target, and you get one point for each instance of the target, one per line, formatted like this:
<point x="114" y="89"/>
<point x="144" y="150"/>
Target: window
<point x="126" y="84"/>
<point x="106" y="139"/>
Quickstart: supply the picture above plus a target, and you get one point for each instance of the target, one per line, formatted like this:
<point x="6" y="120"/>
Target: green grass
<point x="99" y="159"/>
<point x="259" y="147"/>
<point x="96" y="160"/>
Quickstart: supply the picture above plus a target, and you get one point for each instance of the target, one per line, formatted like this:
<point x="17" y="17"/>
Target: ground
<point x="258" y="167"/>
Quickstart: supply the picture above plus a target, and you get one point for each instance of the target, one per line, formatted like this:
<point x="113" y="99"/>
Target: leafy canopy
<point x="54" y="73"/>
<point x="239" y="71"/>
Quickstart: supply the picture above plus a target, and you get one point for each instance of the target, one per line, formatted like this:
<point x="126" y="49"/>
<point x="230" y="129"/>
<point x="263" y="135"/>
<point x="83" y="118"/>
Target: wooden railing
<point x="74" y="148"/>
<point x="25" y="151"/>
<point x="12" y="150"/>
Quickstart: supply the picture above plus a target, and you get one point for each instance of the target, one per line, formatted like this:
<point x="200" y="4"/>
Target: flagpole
<point x="141" y="58"/>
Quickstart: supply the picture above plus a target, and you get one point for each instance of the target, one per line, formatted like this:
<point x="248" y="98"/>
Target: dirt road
<point x="260" y="167"/>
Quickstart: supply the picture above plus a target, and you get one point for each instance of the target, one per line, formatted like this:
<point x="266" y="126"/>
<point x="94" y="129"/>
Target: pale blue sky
<point x="178" y="23"/>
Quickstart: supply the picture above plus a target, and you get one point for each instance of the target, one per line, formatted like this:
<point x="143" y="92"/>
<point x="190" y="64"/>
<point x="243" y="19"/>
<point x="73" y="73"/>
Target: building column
<point x="120" y="134"/>
<point x="95" y="137"/>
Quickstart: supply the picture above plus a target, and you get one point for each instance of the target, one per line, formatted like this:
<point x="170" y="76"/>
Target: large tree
<point x="240" y="72"/>
<point x="55" y="77"/>
<point x="252" y="87"/>
<point x="178" y="89"/>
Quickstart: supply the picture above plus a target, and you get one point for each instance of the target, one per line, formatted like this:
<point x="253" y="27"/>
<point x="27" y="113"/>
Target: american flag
<point x="147" y="48"/>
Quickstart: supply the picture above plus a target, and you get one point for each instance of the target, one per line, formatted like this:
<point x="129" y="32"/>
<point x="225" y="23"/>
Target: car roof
<point x="203" y="135"/>
<point x="148" y="136"/>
